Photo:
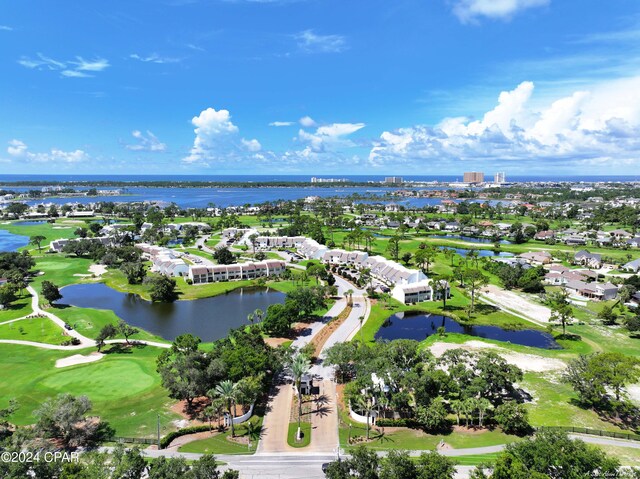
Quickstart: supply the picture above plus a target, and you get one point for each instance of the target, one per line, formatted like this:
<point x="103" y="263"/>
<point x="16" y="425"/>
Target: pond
<point x="29" y="222"/>
<point x="481" y="252"/>
<point x="207" y="318"/>
<point x="470" y="239"/>
<point x="418" y="326"/>
<point x="11" y="242"/>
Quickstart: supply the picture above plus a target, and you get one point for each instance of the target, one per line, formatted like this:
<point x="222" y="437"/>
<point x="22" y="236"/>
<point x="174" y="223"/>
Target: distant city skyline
<point x="320" y="87"/>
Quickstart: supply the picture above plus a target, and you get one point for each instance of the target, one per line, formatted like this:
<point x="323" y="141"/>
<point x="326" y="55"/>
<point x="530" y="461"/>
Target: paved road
<point x="295" y="465"/>
<point x="324" y="419"/>
<point x="275" y="425"/>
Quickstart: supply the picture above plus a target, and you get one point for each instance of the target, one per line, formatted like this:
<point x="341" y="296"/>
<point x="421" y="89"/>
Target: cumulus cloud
<point x="601" y="124"/>
<point x="251" y="145"/>
<point x="213" y="129"/>
<point x="310" y="42"/>
<point x="77" y="68"/>
<point x="470" y="10"/>
<point x="307" y="122"/>
<point x="146" y="142"/>
<point x="17" y="149"/>
<point x="332" y="136"/>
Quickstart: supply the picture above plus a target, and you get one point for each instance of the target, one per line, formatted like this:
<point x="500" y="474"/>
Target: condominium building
<point x="473" y="177"/>
<point x="394" y="180"/>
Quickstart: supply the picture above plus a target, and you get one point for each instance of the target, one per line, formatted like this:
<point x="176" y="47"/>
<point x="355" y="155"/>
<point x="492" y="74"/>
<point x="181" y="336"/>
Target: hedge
<point x="166" y="440"/>
<point x="402" y="422"/>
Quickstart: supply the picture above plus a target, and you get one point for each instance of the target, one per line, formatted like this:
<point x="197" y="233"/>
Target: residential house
<point x="590" y="260"/>
<point x="632" y="265"/>
<point x="596" y="291"/>
<point x="537" y="257"/>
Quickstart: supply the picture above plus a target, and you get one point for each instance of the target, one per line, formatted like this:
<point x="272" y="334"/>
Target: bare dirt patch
<point x="515" y="302"/>
<point x="526" y="362"/>
<point x="276" y="342"/>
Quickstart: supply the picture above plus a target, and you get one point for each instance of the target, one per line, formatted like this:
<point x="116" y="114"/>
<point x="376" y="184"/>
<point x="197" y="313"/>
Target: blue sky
<point x="320" y="86"/>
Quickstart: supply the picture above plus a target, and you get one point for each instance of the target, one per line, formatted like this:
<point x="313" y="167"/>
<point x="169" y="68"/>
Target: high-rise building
<point x="394" y="180"/>
<point x="500" y="177"/>
<point x="473" y="177"/>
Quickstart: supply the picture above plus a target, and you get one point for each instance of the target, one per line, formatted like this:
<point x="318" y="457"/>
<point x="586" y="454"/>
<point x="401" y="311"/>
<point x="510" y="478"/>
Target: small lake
<point x="29" y="222"/>
<point x="469" y="239"/>
<point x="207" y="318"/>
<point x="418" y="326"/>
<point x="482" y="253"/>
<point x="11" y="242"/>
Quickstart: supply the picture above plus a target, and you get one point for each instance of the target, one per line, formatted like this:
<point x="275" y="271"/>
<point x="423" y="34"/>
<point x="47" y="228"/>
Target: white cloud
<point x="96" y="65"/>
<point x="251" y="145"/>
<point x="332" y="136"/>
<point x="311" y="42"/>
<point x="602" y="123"/>
<point x="471" y="10"/>
<point x="19" y="150"/>
<point x="146" y="142"/>
<point x="307" y="122"/>
<point x="71" y="69"/>
<point x="281" y="123"/>
<point x="212" y="129"/>
<point x="6" y="28"/>
<point x="154" y="58"/>
<point x="74" y="74"/>
<point x="16" y="148"/>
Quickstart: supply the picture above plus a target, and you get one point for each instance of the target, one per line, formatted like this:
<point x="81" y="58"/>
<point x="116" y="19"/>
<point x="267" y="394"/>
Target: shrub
<point x="166" y="440"/>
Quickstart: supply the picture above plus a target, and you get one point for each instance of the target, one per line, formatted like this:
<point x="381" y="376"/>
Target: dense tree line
<point x="426" y="389"/>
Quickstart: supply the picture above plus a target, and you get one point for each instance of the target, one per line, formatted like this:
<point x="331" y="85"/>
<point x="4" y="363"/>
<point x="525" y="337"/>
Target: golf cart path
<point x="84" y="341"/>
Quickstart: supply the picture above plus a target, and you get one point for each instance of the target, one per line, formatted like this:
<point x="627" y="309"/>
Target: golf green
<point x="110" y="380"/>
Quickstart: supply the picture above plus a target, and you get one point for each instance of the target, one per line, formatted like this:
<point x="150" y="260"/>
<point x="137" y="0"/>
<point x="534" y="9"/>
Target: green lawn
<point x="60" y="229"/>
<point x="123" y="386"/>
<point x="17" y="309"/>
<point x="553" y="404"/>
<point x="292" y="432"/>
<point x="88" y="322"/>
<point x="41" y="330"/>
<point x="414" y="439"/>
<point x="60" y="269"/>
<point x="219" y="444"/>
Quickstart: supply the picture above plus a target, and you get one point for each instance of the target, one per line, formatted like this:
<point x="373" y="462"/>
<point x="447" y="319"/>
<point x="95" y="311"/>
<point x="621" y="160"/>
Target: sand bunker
<point x="78" y="359"/>
<point x="526" y="362"/>
<point x="98" y="269"/>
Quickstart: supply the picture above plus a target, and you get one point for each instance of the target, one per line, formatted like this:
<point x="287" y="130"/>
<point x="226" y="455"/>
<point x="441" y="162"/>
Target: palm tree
<point x="299" y="367"/>
<point x="215" y="409"/>
<point x="483" y="405"/>
<point x="361" y="320"/>
<point x="365" y="404"/>
<point x="457" y="407"/>
<point x="469" y="406"/>
<point x="349" y="293"/>
<point x="226" y="391"/>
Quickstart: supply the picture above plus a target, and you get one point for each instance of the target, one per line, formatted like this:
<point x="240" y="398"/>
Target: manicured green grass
<point x="60" y="229"/>
<point x="88" y="322"/>
<point x="475" y="459"/>
<point x="123" y="386"/>
<point x="628" y="456"/>
<point x="17" y="309"/>
<point x="60" y="269"/>
<point x="413" y="439"/>
<point x="305" y="427"/>
<point x="219" y="444"/>
<point x="40" y="330"/>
